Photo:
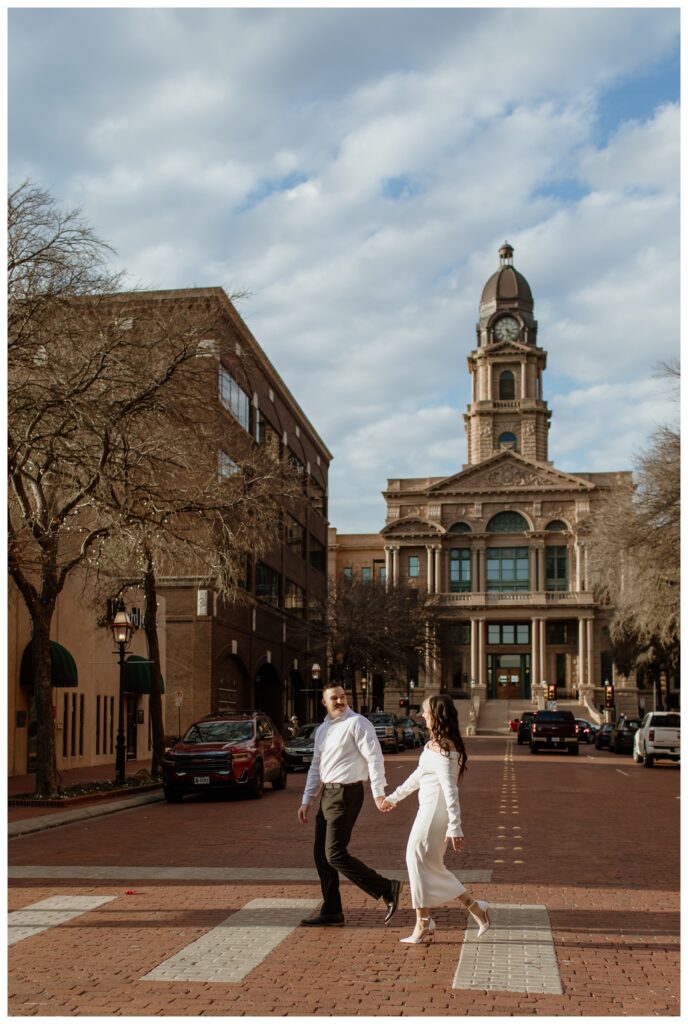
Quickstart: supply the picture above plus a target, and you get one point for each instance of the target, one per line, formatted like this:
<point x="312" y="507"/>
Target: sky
<point x="355" y="171"/>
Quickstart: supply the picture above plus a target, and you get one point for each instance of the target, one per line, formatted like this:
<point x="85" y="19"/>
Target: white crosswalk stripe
<point x="234" y="948"/>
<point x="516" y="954"/>
<point x="48" y="913"/>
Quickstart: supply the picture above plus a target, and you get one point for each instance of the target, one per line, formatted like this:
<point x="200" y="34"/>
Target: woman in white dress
<point x="438" y="822"/>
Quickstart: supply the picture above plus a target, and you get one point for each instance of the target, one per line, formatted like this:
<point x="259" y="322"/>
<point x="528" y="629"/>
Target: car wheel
<point x="573" y="749"/>
<point x="256" y="785"/>
<point x="281" y="781"/>
<point x="649" y="761"/>
<point x="172" y="795"/>
<point x="637" y="757"/>
<point x="533" y="748"/>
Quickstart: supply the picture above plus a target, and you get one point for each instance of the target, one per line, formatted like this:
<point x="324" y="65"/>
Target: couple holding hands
<point x="346" y="753"/>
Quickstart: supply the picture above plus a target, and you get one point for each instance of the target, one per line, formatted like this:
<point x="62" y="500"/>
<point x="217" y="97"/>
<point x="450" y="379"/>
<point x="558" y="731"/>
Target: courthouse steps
<point x="495" y="715"/>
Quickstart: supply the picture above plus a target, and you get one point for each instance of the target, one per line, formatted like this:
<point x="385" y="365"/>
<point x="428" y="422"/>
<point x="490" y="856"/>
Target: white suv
<point x="659" y="736"/>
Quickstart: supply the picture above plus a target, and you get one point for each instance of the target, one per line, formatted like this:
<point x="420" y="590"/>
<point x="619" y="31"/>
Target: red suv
<point x="228" y="751"/>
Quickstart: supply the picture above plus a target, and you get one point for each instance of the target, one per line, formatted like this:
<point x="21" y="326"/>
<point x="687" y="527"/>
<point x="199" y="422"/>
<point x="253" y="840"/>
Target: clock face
<point x="507" y="329"/>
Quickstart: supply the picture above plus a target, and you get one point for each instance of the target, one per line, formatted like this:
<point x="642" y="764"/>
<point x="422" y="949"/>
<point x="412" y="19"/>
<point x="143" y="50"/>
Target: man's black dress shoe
<point x="324" y="919"/>
<point x="392" y="901"/>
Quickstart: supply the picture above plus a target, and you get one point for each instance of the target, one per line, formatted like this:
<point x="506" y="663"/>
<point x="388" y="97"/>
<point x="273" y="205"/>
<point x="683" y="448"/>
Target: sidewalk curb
<point x="28" y="825"/>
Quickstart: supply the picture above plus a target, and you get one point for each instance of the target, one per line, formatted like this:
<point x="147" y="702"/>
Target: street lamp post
<point x="315" y="678"/>
<point x="122" y="630"/>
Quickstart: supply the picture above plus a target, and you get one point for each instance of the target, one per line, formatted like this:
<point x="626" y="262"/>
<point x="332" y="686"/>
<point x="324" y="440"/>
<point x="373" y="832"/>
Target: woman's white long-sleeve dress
<point x="439" y="816"/>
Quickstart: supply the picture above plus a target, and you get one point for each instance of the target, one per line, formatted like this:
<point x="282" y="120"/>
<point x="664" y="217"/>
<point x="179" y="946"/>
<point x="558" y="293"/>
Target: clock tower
<point x="507" y="410"/>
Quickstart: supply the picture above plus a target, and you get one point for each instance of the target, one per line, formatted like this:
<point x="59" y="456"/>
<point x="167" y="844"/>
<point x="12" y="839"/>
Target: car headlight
<point x="241" y="758"/>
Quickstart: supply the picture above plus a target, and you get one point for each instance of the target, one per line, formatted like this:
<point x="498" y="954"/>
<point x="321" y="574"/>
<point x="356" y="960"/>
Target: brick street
<point x="594" y="840"/>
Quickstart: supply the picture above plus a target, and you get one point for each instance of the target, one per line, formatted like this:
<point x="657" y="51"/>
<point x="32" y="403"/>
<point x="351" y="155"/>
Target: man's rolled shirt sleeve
<point x="369" y="745"/>
<point x="312" y="787"/>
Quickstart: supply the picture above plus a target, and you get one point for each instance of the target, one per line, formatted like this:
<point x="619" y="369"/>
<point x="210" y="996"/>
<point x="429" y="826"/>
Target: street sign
<point x="178" y="698"/>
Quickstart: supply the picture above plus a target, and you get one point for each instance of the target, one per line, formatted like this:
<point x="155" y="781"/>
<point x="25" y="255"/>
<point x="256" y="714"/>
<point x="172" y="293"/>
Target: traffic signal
<point x="551" y="692"/>
<point x="609" y="697"/>
<point x="403" y="702"/>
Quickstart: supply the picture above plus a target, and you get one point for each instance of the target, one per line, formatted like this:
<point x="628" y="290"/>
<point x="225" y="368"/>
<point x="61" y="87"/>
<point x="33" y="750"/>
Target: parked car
<point x="524" y="724"/>
<point x="586" y="730"/>
<point x="602" y="735"/>
<point x="659" y="736"/>
<point x="422" y="729"/>
<point x="554" y="730"/>
<point x="412" y="735"/>
<point x="231" y="752"/>
<point x="298" y="749"/>
<point x="389" y="730"/>
<point x="621" y="736"/>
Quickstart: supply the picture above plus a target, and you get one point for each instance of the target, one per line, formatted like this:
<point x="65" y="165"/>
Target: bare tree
<point x="370" y="627"/>
<point x="81" y="387"/>
<point x="634" y="545"/>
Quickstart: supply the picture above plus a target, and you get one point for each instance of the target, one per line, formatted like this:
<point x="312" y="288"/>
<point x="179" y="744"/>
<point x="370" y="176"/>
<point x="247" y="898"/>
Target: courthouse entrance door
<point x="508" y="683"/>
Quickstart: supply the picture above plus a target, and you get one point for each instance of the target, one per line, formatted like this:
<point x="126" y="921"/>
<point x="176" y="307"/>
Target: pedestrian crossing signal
<point x="609" y="697"/>
<point x="403" y="702"/>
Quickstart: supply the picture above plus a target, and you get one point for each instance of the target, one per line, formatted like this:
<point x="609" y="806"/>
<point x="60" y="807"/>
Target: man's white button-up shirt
<point x="346" y="749"/>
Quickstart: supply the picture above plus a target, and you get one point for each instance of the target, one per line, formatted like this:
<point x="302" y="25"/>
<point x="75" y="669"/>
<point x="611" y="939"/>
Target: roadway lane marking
<point x="622" y="773"/>
<point x="38" y="917"/>
<point x="214" y="874"/>
<point x="516" y="954"/>
<point x="229" y="952"/>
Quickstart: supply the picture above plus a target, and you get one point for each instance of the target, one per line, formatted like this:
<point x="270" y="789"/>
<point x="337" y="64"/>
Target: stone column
<point x="395" y="564"/>
<point x="438" y="570"/>
<point x="388" y="564"/>
<point x="474" y="570"/>
<point x="534" y="570"/>
<point x="480" y="585"/>
<point x="428" y="550"/>
<point x="541" y="569"/>
<point x="474" y="651"/>
<point x="524" y="374"/>
<point x="588" y="652"/>
<point x="534" y="657"/>
<point x="586" y="581"/>
<point x="482" y="675"/>
<point x="577" y="552"/>
<point x="543" y="647"/>
<point x="581" y="655"/>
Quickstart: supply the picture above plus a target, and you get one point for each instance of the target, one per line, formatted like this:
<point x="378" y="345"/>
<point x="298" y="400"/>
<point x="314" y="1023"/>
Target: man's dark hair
<point x="331" y="684"/>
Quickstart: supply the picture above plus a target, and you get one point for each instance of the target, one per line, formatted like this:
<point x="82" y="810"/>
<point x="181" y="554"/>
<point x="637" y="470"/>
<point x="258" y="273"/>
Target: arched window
<point x="556" y="526"/>
<point x="460" y="528"/>
<point x="507" y="386"/>
<point x="507" y="522"/>
<point x="508" y="440"/>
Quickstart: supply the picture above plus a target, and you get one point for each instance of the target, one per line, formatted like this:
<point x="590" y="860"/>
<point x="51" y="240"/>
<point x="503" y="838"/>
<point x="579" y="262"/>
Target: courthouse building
<point x="498" y="545"/>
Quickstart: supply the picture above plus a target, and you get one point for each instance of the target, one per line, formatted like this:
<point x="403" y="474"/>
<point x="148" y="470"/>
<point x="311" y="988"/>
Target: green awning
<point x="62" y="667"/>
<point x="138" y="676"/>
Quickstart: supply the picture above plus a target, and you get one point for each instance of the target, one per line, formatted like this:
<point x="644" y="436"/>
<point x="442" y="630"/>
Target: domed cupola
<point x="506" y="297"/>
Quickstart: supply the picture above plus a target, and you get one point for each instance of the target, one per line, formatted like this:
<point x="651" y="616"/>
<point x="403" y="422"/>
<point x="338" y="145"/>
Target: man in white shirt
<point x="346" y="752"/>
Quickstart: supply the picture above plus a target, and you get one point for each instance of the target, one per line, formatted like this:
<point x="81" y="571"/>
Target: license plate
<point x="556" y="739"/>
<point x="201" y="780"/>
<point x="307" y="760"/>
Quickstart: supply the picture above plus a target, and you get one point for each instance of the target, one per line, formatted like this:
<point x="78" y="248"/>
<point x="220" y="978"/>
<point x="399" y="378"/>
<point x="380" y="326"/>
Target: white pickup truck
<point x="659" y="736"/>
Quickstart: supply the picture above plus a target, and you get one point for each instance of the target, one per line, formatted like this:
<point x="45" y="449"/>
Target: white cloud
<point x="254" y="148"/>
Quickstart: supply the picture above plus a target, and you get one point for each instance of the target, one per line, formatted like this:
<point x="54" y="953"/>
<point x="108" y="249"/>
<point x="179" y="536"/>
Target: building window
<point x="348" y="573"/>
<point x="508" y="440"/>
<point x="316" y="554"/>
<point x="317" y="497"/>
<point x="459" y="570"/>
<point x="556" y="568"/>
<point x="226" y="466"/>
<point x="556" y="526"/>
<point x="413" y="566"/>
<point x="234" y="398"/>
<point x="295" y="536"/>
<point x="268" y="436"/>
<point x="557" y="633"/>
<point x="294" y="598"/>
<point x="267" y="584"/>
<point x="507" y="386"/>
<point x="507" y="569"/>
<point x="296" y="462"/>
<point x="366" y="574"/>
<point x="508" y="633"/>
<point x="459" y="528"/>
<point x="380" y="572"/>
<point x="257" y="425"/>
<point x="507" y="522"/>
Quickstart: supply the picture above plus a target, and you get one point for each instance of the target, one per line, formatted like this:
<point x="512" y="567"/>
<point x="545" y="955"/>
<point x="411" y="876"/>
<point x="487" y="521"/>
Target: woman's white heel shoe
<point x="426" y="935"/>
<point x="485" y="907"/>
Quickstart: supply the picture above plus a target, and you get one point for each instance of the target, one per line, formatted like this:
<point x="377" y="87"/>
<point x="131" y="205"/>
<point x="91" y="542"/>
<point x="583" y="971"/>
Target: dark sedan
<point x="298" y="749"/>
<point x="524" y="724"/>
<point x="586" y="730"/>
<point x="602" y="735"/>
<point x="622" y="735"/>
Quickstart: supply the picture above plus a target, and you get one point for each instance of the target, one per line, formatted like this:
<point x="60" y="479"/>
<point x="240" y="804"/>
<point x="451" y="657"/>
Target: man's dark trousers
<point x="339" y="808"/>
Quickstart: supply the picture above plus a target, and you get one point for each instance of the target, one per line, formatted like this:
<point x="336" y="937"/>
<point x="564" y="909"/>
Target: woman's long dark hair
<point x="445" y="728"/>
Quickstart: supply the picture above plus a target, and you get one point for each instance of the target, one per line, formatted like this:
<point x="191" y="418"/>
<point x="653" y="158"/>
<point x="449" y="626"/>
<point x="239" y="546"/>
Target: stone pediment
<point x="505" y="348"/>
<point x="507" y="472"/>
<point x="414" y="527"/>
